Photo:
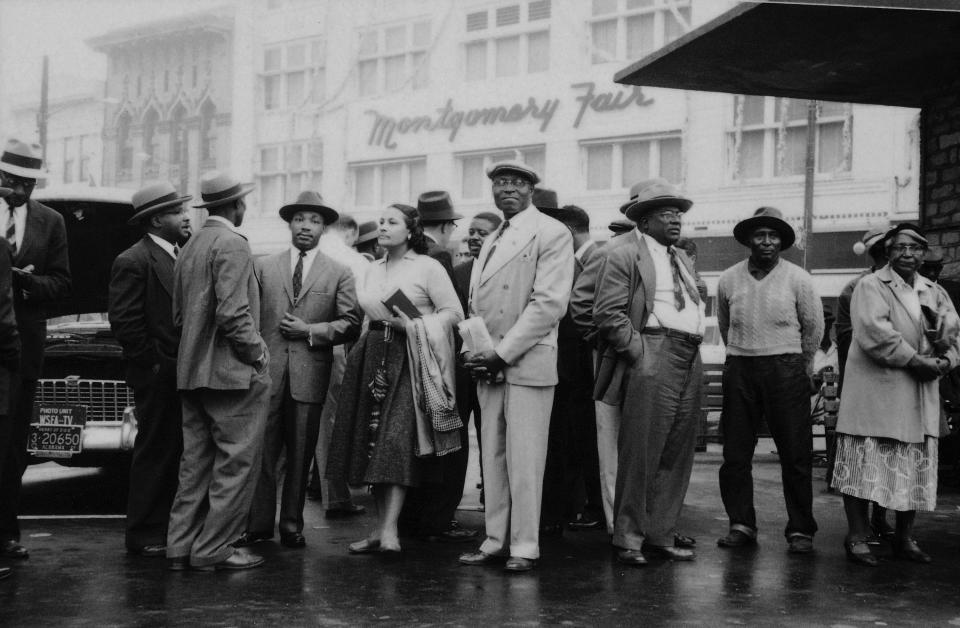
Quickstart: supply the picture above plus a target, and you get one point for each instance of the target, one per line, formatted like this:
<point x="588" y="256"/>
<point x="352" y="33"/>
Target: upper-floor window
<point x="286" y="170"/>
<point x="622" y="30"/>
<point x="768" y="137"/>
<point x="507" y="40"/>
<point x="618" y="164"/>
<point x="294" y="74"/>
<point x="378" y="184"/>
<point x="392" y="57"/>
<point x="474" y="183"/>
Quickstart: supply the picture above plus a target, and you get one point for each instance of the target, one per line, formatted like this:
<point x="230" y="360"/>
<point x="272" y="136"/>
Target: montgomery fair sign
<point x="450" y="119"/>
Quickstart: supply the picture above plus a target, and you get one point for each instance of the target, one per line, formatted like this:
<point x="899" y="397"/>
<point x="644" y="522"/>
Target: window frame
<point x="654" y="166"/>
<point x="415" y="57"/>
<point x="622" y="15"/>
<point x="314" y="71"/>
<point x="489" y="157"/>
<point x="407" y="190"/>
<point x="309" y="168"/>
<point x="524" y="30"/>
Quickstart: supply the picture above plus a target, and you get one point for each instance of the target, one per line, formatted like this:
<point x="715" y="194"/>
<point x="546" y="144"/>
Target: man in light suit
<point x="308" y="305"/>
<point x="520" y="287"/>
<point x="224" y="385"/>
<point x="649" y="316"/>
<point x="141" y="317"/>
<point x="41" y="277"/>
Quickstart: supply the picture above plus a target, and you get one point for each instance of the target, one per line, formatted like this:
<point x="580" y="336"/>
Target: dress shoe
<point x="293" y="540"/>
<point x="799" y="544"/>
<point x="631" y="557"/>
<point x="909" y="550"/>
<point x="584" y="522"/>
<point x="250" y="538"/>
<point x="149" y="551"/>
<point x="479" y="558"/>
<point x="13" y="549"/>
<point x="454" y="534"/>
<point x="669" y="552"/>
<point x="5" y="572"/>
<point x="737" y="538"/>
<point x="859" y="552"/>
<point x="517" y="564"/>
<point x="680" y="540"/>
<point x="241" y="558"/>
<point x="178" y="563"/>
<point x="344" y="511"/>
<point x="366" y="546"/>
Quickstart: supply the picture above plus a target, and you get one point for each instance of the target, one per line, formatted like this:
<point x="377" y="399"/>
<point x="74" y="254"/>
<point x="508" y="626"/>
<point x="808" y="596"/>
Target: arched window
<point x="178" y="135"/>
<point x="208" y="135"/>
<point x="151" y="168"/>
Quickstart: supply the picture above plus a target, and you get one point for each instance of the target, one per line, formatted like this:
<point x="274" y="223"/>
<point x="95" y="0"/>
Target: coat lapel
<point x="886" y="275"/>
<point x="510" y="244"/>
<point x="316" y="270"/>
<point x="161" y="263"/>
<point x="648" y="276"/>
<point x="32" y="226"/>
<point x="283" y="268"/>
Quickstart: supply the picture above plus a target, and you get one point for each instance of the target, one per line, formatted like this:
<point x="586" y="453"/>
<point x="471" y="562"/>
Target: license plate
<point x="57" y="430"/>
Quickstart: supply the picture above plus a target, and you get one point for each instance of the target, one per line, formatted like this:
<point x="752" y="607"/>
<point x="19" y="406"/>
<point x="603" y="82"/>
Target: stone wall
<point x="940" y="163"/>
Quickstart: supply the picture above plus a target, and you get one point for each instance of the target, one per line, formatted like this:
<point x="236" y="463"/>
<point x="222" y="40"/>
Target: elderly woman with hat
<point x="905" y="337"/>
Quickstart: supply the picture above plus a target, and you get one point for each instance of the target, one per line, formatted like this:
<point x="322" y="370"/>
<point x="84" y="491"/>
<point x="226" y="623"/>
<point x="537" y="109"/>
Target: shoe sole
<point x="222" y="567"/>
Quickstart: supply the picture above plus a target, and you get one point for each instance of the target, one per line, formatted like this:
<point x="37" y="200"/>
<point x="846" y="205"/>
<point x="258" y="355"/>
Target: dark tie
<point x="12" y="232"/>
<point x="679" y="279"/>
<point x="493" y="248"/>
<point x="298" y="276"/>
<point x="176" y="251"/>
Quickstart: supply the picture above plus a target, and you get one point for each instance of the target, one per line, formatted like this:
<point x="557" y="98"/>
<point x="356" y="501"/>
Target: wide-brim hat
<point x="309" y="201"/>
<point x="153" y="199"/>
<point x="219" y="188"/>
<point x="546" y="201"/>
<point x="435" y="206"/>
<point x="367" y="231"/>
<point x="22" y="160"/>
<point x="621" y="226"/>
<point x="516" y="167"/>
<point x="769" y="217"/>
<point x="648" y="195"/>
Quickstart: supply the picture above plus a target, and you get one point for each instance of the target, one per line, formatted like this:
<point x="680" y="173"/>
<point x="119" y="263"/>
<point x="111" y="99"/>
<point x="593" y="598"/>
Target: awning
<point x="901" y="53"/>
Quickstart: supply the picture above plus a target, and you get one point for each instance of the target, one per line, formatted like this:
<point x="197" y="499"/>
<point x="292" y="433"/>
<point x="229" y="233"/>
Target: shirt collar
<point x="652" y="244"/>
<point x="223" y="220"/>
<point x="163" y="244"/>
<point x="579" y="253"/>
<point x="527" y="215"/>
<point x="294" y="252"/>
<point x="410" y="254"/>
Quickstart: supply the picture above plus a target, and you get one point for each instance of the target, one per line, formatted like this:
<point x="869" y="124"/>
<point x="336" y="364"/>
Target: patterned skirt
<point x="896" y="475"/>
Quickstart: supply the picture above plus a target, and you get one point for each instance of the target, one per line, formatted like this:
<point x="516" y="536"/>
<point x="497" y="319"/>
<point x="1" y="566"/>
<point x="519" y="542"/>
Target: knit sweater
<point x="780" y="313"/>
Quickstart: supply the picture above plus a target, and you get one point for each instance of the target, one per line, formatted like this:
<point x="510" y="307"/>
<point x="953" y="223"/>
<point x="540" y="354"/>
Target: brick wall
<point x="940" y="162"/>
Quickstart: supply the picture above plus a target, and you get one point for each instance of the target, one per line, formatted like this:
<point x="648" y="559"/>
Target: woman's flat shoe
<point x="366" y="546"/>
<point x="859" y="552"/>
<point x="909" y="550"/>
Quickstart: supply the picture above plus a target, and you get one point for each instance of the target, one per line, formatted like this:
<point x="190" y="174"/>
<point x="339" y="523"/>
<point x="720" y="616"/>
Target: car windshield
<point x="73" y="319"/>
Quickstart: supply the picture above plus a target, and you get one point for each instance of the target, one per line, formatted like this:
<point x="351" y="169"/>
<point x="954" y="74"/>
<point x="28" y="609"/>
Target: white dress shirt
<point x="163" y="244"/>
<point x="665" y="312"/>
<point x="19" y="219"/>
<point x="307" y="260"/>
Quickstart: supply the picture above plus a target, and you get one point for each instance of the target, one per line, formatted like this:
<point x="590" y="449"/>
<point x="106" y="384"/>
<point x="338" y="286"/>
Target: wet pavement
<point x="79" y="575"/>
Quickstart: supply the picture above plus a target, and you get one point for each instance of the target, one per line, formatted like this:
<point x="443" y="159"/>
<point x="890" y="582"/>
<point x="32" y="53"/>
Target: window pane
<point x="318" y="52"/>
<point x="391" y="190"/>
<point x="602" y="7"/>
<point x="604" y="36"/>
<point x="368" y="43"/>
<point x="831" y="157"/>
<point x="296" y="87"/>
<point x="472" y="183"/>
<point x="420" y="68"/>
<point x="363" y="186"/>
<point x="640" y="40"/>
<point x="671" y="164"/>
<point x="296" y="55"/>
<point x="599" y="167"/>
<point x="794" y="152"/>
<point x="832" y="109"/>
<point x="510" y="155"/>
<point x="421" y="34"/>
<point x="636" y="163"/>
<point x="295" y="183"/>
<point x="271" y="60"/>
<point x="476" y="66"/>
<point x="396" y="38"/>
<point x="753" y="109"/>
<point x="394" y="72"/>
<point x="796" y="109"/>
<point x="294" y="157"/>
<point x="751" y="154"/>
<point x="637" y="4"/>
<point x="315" y="155"/>
<point x="536" y="159"/>
<point x="673" y="28"/>
<point x="508" y="56"/>
<point x="418" y="178"/>
<point x="271" y="91"/>
<point x="271" y="193"/>
<point x="318" y="86"/>
<point x="538" y="52"/>
<point x="367" y="77"/>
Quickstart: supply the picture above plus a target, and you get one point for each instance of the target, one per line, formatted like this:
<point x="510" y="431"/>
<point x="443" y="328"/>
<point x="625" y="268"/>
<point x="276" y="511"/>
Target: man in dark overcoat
<point x="9" y="350"/>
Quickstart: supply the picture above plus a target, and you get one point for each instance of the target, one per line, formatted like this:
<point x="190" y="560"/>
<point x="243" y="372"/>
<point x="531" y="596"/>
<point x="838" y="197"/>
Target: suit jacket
<point x="573" y="355"/>
<point x="442" y="255"/>
<point x="522" y="293"/>
<point x="216" y="306"/>
<point x="44" y="246"/>
<point x="461" y="281"/>
<point x="327" y="303"/>
<point x="141" y="311"/>
<point x="9" y="337"/>
<point x="625" y="290"/>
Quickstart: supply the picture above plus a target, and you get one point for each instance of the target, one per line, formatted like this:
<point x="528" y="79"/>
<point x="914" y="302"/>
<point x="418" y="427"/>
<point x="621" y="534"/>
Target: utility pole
<point x="809" y="172"/>
<point x="42" y="114"/>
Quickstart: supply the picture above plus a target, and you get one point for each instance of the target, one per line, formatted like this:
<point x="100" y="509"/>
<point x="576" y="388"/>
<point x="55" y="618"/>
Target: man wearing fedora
<point x="771" y="321"/>
<point x="366" y="244"/>
<point x="439" y="222"/>
<point x="41" y="275"/>
<point x="649" y="317"/>
<point x="308" y="305"/>
<point x="520" y="287"/>
<point x="224" y="385"/>
<point x="9" y="351"/>
<point x="141" y="317"/>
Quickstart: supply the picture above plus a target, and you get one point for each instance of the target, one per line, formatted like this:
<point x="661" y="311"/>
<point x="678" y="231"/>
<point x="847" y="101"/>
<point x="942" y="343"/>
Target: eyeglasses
<point x="502" y="182"/>
<point x="11" y="181"/>
<point x="667" y="214"/>
<point x="900" y="249"/>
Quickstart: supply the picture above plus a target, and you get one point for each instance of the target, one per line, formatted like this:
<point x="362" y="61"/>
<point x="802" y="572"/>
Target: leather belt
<point x="381" y="326"/>
<point x="694" y="339"/>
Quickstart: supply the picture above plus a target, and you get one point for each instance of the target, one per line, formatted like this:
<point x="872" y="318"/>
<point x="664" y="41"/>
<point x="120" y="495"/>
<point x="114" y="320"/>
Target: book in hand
<point x="402" y="302"/>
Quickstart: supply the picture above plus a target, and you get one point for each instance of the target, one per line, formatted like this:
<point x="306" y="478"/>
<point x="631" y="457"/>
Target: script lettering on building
<point x="607" y="101"/>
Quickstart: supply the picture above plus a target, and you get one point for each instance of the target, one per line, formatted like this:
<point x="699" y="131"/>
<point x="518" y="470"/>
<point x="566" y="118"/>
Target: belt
<point x="694" y="339"/>
<point x="381" y="326"/>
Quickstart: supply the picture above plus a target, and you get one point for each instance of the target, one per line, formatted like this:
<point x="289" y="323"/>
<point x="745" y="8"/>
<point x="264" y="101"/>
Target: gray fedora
<point x="154" y="199"/>
<point x="219" y="188"/>
<point x="651" y="194"/>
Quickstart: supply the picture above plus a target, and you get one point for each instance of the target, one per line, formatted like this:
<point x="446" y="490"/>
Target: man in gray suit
<point x="224" y="385"/>
<point x="308" y="305"/>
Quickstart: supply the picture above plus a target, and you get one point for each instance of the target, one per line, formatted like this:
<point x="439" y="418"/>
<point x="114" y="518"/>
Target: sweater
<point x="778" y="314"/>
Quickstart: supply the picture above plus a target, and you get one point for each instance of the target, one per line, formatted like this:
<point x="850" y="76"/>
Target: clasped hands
<point x="928" y="368"/>
<point x="483" y="364"/>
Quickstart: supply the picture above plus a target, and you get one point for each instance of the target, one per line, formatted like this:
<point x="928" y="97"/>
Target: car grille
<point x="105" y="399"/>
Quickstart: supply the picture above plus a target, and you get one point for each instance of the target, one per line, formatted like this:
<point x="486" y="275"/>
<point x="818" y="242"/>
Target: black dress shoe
<point x="551" y="529"/>
<point x="293" y="540"/>
<point x="149" y="551"/>
<point x="518" y="564"/>
<point x="179" y="563"/>
<point x="250" y="538"/>
<point x="634" y="558"/>
<point x="859" y="552"/>
<point x="5" y="572"/>
<point x="670" y="552"/>
<point x="680" y="540"/>
<point x="909" y="550"/>
<point x="584" y="522"/>
<point x="241" y="558"/>
<point x="479" y="558"/>
<point x="13" y="549"/>
<point x="347" y="510"/>
<point x="737" y="538"/>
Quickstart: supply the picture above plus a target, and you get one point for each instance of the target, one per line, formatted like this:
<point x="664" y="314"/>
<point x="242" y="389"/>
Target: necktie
<point x="176" y="251"/>
<point x="493" y="247"/>
<point x="12" y="232"/>
<point x="679" y="282"/>
<point x="298" y="276"/>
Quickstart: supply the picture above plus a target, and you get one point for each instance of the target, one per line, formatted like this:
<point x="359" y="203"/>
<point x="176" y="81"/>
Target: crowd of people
<point x="358" y="355"/>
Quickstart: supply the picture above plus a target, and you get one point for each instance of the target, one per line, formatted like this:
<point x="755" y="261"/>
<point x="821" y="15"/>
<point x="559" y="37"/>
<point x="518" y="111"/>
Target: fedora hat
<point x="153" y="199"/>
<point x="765" y="217"/>
<point x="22" y="160"/>
<point x="219" y="188"/>
<point x="435" y="206"/>
<point x="367" y="231"/>
<point x="309" y="201"/>
<point x="621" y="226"/>
<point x="651" y="194"/>
<point x="515" y="167"/>
<point x="547" y="202"/>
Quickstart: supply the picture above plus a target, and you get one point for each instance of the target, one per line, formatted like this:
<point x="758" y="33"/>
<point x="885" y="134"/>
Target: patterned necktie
<point x="679" y="279"/>
<point x="12" y="232"/>
<point x="298" y="276"/>
<point x="493" y="247"/>
<point x="176" y="251"/>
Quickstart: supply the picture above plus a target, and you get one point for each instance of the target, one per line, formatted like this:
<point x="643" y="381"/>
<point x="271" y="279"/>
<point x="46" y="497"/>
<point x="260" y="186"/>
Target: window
<point x="392" y="57"/>
<point x="618" y="164"/>
<point x="768" y="138"/>
<point x="294" y="74"/>
<point x="178" y="136"/>
<point x="507" y="41"/>
<point x="208" y="136"/>
<point x="84" y="160"/>
<point x="474" y="183"/>
<point x="286" y="170"/>
<point x="379" y="184"/>
<point x="150" y="146"/>
<point x="625" y="30"/>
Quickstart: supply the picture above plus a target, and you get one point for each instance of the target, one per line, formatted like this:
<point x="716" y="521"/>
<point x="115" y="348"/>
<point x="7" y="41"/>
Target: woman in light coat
<point x="905" y="332"/>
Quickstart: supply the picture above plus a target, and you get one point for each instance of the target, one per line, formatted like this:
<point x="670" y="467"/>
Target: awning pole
<point x="809" y="172"/>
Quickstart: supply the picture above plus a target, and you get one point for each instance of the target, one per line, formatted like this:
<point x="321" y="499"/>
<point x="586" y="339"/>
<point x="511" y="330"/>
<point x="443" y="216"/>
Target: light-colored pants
<point x="513" y="436"/>
<point x="608" y="428"/>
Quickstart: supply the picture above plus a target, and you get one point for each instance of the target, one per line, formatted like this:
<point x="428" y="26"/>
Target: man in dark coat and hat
<point x="9" y="350"/>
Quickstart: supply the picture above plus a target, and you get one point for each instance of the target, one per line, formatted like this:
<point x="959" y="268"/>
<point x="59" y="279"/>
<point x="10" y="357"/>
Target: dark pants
<point x="155" y="466"/>
<point x="775" y="388"/>
<point x="22" y="393"/>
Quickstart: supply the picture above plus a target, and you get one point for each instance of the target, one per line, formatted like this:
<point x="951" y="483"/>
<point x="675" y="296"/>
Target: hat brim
<point x="635" y="210"/>
<point x="140" y="216"/>
<point x="373" y="235"/>
<point x="526" y="174"/>
<point x="329" y="214"/>
<point x="20" y="171"/>
<point x="745" y="228"/>
<point x="245" y="189"/>
<point x="442" y="217"/>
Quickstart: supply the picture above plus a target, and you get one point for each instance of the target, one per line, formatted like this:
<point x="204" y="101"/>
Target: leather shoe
<point x="800" y="544"/>
<point x="634" y="558"/>
<point x="669" y="552"/>
<point x="737" y="538"/>
<point x="859" y="552"/>
<point x="5" y="572"/>
<point x="13" y="549"/>
<point x="241" y="558"/>
<point x="178" y="563"/>
<point x="342" y="512"/>
<point x="584" y="522"/>
<point x="149" y="551"/>
<point x="680" y="540"/>
<point x="479" y="558"/>
<point x="518" y="564"/>
<point x="909" y="550"/>
<point x="293" y="540"/>
<point x="250" y="538"/>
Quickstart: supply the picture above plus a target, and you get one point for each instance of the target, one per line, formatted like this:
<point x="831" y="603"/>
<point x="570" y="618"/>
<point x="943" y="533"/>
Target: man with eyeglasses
<point x="519" y="287"/>
<point x="771" y="320"/>
<point x="41" y="275"/>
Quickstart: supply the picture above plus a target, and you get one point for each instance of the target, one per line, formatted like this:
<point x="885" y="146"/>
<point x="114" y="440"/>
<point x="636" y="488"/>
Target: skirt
<point x="896" y="475"/>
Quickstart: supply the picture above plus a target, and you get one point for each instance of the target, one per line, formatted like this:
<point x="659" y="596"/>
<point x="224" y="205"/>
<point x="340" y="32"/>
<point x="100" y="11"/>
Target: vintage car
<point x="84" y="362"/>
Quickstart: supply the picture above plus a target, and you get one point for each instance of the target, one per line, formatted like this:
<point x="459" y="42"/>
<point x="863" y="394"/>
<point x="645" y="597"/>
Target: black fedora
<point x="435" y="206"/>
<point x="547" y="202"/>
<point x="367" y="231"/>
<point x="769" y="217"/>
<point x="309" y="201"/>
